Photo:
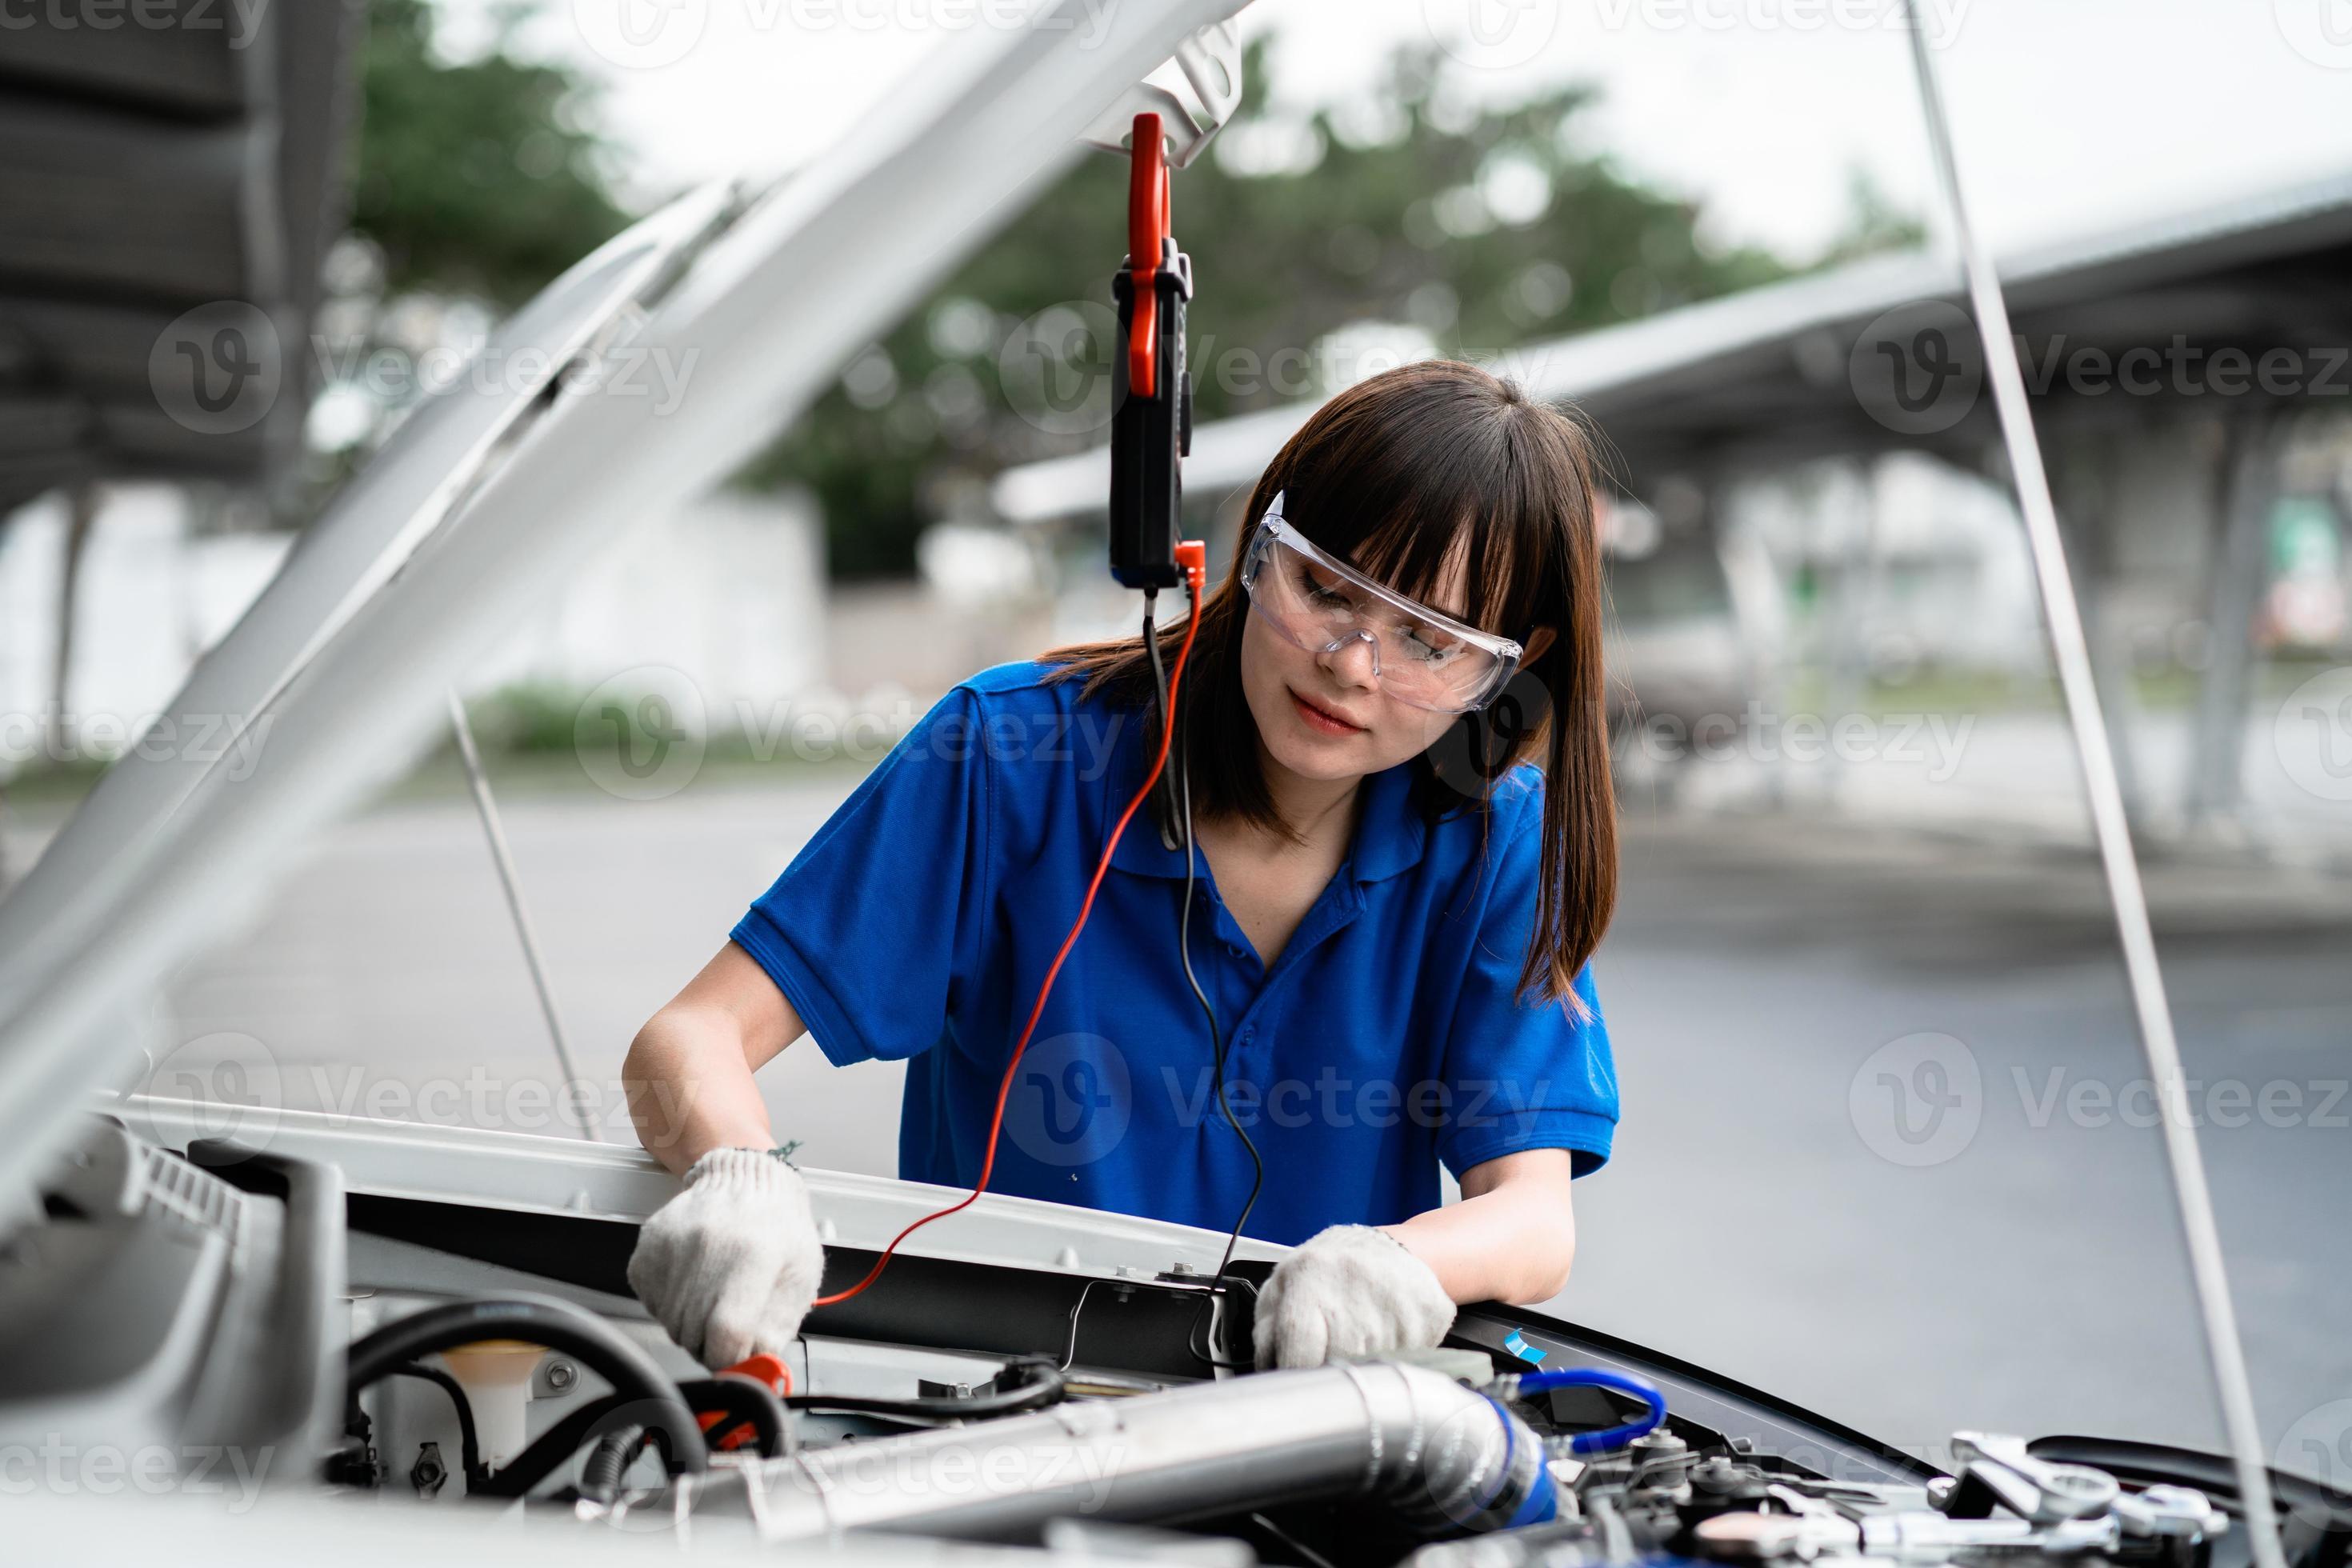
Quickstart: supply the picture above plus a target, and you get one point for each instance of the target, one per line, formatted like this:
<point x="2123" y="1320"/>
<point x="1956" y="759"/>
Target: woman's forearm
<point x="1511" y="1238"/>
<point x="689" y="1087"/>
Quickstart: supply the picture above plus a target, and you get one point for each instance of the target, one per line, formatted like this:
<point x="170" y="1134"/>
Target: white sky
<point x="2071" y="115"/>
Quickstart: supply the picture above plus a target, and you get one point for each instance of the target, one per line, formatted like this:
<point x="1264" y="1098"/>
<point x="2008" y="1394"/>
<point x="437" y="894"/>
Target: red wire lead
<point x="1192" y="556"/>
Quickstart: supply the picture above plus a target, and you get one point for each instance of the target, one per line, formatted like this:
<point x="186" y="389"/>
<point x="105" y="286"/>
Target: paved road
<point x="2031" y="1279"/>
<point x="1760" y="1216"/>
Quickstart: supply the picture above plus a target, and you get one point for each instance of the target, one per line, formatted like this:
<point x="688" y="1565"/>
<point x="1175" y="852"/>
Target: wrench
<point x="2033" y="1490"/>
<point x="1901" y="1537"/>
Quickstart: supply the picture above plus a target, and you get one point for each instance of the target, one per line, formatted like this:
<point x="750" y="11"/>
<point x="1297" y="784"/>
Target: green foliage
<point x="526" y="717"/>
<point x="477" y="177"/>
<point x="1383" y="229"/>
<point x="474" y="177"/>
<point x="1875" y="222"/>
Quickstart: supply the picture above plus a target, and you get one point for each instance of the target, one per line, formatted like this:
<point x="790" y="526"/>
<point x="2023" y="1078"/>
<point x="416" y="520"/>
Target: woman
<point x="1397" y="968"/>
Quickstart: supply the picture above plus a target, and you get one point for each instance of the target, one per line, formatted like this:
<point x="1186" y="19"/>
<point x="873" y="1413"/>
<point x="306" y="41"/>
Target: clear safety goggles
<point x="1420" y="658"/>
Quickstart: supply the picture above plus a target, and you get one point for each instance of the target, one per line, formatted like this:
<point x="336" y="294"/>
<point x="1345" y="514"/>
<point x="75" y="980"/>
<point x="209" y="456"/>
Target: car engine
<point x="395" y="1352"/>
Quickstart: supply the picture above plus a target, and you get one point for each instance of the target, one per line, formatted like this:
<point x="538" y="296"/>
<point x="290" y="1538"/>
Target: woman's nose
<point x="1355" y="659"/>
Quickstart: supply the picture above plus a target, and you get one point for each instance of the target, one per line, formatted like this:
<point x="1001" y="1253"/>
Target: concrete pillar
<point x="82" y="514"/>
<point x="2235" y="579"/>
<point x="2084" y="475"/>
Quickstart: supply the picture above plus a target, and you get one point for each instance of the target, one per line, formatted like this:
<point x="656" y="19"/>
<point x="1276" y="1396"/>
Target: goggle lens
<point x="1318" y="606"/>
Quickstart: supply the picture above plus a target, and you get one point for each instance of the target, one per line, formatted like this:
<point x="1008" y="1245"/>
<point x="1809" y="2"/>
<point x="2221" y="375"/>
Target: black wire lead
<point x="470" y="1447"/>
<point x="1184" y="950"/>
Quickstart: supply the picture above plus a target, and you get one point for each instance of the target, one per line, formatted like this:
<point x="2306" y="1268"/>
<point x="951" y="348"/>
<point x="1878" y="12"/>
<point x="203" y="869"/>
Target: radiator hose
<point x="1445" y="1459"/>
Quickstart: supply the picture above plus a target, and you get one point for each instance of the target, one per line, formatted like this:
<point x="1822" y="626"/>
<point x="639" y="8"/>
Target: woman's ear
<point x="1537" y="640"/>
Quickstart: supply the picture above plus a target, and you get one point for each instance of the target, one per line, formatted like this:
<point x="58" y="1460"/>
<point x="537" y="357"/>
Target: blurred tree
<point x="1411" y="219"/>
<point x="474" y="177"/>
<point x="1873" y="223"/>
<point x="474" y="183"/>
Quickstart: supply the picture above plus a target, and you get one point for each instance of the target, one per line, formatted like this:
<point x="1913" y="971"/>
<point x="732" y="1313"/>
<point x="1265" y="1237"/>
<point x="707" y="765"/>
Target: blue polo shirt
<point x="1384" y="1038"/>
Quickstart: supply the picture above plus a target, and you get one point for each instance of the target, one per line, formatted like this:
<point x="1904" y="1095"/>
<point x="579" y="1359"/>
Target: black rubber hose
<point x="1047" y="1390"/>
<point x="600" y="1477"/>
<point x="560" y="1441"/>
<point x="608" y="1465"/>
<point x="540" y="1321"/>
<point x="470" y="1447"/>
<point x="549" y="1449"/>
<point x="740" y="1397"/>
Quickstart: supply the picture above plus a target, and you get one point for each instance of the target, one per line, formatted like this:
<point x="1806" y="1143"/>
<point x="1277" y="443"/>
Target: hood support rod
<point x="503" y="857"/>
<point x="2111" y="823"/>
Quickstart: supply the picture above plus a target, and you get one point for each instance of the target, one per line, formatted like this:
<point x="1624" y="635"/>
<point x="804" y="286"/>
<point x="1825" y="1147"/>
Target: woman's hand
<point x="1355" y="1290"/>
<point x="730" y="1265"/>
<point x="1349" y="1290"/>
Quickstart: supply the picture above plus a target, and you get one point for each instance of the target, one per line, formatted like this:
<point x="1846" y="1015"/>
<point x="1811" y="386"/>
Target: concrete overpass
<point x="164" y="159"/>
<point x="2172" y="362"/>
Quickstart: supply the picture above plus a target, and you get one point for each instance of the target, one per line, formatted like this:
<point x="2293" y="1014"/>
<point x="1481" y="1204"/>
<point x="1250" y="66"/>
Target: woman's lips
<point x="1319" y="719"/>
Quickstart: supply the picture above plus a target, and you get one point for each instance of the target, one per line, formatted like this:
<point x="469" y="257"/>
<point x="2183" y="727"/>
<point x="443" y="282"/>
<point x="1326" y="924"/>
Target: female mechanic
<point x="1396" y="958"/>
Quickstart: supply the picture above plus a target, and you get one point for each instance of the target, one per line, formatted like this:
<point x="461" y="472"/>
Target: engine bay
<point x="392" y="1351"/>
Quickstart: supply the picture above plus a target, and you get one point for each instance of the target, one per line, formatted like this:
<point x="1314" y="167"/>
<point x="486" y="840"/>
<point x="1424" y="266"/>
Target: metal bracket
<point x="1209" y="63"/>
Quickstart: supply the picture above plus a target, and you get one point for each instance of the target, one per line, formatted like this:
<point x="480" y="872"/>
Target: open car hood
<point x="481" y="501"/>
<point x="528" y="1174"/>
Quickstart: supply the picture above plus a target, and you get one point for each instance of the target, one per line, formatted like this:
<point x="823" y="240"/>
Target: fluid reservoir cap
<point x="494" y="1361"/>
<point x="496" y="1375"/>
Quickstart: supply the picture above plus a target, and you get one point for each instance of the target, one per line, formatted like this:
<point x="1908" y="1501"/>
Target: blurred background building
<point x="1786" y="542"/>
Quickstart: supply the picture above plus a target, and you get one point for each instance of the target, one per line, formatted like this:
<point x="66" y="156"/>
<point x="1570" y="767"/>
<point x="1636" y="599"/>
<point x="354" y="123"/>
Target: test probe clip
<point x="771" y="1373"/>
<point x="1151" y="387"/>
<point x="1152" y="430"/>
<point x="1193" y="559"/>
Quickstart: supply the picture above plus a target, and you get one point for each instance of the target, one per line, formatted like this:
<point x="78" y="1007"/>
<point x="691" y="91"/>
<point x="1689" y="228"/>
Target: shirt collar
<point x="1390" y="833"/>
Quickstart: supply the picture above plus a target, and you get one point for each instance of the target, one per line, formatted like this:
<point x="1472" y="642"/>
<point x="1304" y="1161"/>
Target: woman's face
<point x="1324" y="716"/>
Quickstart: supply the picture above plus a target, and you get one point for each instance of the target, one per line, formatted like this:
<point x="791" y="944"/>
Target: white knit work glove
<point x="730" y="1265"/>
<point x="1349" y="1290"/>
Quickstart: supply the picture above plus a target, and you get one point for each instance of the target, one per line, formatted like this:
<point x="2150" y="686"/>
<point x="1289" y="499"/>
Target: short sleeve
<point x="1523" y="1077"/>
<point x="878" y="921"/>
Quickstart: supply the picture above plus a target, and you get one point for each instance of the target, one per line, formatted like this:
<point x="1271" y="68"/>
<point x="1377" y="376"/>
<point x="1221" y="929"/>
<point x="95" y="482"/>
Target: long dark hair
<point x="1394" y="474"/>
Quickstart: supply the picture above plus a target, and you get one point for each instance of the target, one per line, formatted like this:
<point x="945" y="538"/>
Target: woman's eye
<point x="1432" y="651"/>
<point x="1319" y="593"/>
